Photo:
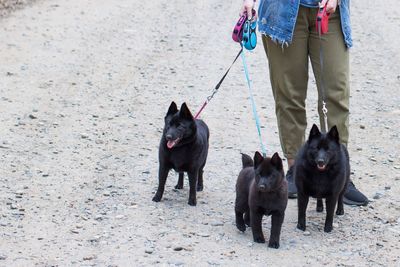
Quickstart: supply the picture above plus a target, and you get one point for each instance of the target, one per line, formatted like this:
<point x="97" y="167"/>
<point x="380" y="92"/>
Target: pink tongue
<point x="171" y="144"/>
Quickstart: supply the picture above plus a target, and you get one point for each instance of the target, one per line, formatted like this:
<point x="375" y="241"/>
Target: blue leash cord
<point x="253" y="103"/>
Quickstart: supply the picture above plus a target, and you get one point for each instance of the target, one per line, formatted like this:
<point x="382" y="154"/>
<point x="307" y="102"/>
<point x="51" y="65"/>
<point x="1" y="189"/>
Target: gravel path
<point x="8" y="6"/>
<point x="83" y="91"/>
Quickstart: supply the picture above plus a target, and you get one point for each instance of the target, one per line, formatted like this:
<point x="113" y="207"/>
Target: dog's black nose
<point x="262" y="187"/>
<point x="321" y="162"/>
<point x="168" y="137"/>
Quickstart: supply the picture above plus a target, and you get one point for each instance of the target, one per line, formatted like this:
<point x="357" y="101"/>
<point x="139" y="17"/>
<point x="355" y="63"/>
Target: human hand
<point x="330" y="5"/>
<point x="248" y="6"/>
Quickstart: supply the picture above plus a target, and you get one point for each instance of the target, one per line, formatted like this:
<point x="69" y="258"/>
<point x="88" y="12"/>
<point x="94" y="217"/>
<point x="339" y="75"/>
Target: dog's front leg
<point x="330" y="209"/>
<point x="302" y="202"/>
<point x="192" y="183"/>
<point x="179" y="185"/>
<point x="320" y="205"/>
<point x="162" y="178"/>
<point x="256" y="226"/>
<point x="200" y="181"/>
<point x="239" y="220"/>
<point x="241" y="207"/>
<point x="276" y="225"/>
<point x="340" y="210"/>
<point x="247" y="217"/>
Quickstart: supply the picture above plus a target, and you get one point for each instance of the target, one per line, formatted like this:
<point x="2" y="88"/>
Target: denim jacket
<point x="277" y="19"/>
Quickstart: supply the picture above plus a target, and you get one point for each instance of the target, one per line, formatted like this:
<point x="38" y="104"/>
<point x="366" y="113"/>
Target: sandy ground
<point x="83" y="91"/>
<point x="8" y="6"/>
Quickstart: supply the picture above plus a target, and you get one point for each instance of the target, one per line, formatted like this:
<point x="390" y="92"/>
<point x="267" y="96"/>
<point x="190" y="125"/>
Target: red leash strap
<point x="201" y="109"/>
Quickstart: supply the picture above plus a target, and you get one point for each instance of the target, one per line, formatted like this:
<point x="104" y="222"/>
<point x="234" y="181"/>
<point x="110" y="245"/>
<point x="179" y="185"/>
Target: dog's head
<point x="179" y="125"/>
<point x="322" y="148"/>
<point x="268" y="172"/>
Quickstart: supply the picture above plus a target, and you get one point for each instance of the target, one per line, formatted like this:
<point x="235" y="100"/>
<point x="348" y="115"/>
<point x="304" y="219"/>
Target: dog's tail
<point x="247" y="161"/>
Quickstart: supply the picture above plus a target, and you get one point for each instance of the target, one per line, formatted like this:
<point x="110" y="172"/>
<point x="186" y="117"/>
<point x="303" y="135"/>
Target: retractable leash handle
<point x="249" y="35"/>
<point x="241" y="26"/>
<point x="237" y="33"/>
<point x="322" y="21"/>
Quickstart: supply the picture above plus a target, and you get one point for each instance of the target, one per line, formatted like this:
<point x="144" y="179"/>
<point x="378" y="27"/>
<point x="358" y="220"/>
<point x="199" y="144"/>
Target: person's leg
<point x="336" y="86"/>
<point x="288" y="67"/>
<point x="335" y="76"/>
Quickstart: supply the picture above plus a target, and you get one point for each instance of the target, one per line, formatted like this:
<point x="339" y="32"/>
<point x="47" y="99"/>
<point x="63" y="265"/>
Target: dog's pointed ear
<point x="334" y="134"/>
<point x="258" y="159"/>
<point x="314" y="132"/>
<point x="185" y="112"/>
<point x="172" y="109"/>
<point x="277" y="161"/>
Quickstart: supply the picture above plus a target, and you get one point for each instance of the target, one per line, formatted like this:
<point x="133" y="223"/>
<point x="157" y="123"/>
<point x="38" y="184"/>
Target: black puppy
<point x="261" y="189"/>
<point x="184" y="148"/>
<point x="322" y="170"/>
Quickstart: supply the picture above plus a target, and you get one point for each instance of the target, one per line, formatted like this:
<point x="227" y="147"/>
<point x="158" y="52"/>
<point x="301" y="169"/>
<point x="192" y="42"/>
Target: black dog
<point x="184" y="148"/>
<point x="261" y="189"/>
<point x="322" y="170"/>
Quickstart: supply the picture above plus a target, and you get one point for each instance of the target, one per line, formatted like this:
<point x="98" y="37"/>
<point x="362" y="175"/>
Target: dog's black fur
<point x="322" y="170"/>
<point x="184" y="148"/>
<point x="261" y="189"/>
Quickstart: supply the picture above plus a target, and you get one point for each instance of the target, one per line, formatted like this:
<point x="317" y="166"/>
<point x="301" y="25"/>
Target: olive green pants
<point x="288" y="67"/>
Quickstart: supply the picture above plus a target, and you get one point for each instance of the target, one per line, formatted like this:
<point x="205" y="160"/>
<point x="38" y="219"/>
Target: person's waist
<point x="309" y="3"/>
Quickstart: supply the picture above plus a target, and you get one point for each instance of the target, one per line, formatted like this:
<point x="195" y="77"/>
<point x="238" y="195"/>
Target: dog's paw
<point x="339" y="212"/>
<point x="156" y="198"/>
<point x="259" y="239"/>
<point x="328" y="228"/>
<point x="192" y="202"/>
<point x="301" y="226"/>
<point x="273" y="244"/>
<point x="178" y="186"/>
<point x="241" y="227"/>
<point x="199" y="188"/>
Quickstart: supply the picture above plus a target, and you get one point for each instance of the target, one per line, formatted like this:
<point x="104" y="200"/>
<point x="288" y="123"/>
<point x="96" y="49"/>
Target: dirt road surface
<point x="83" y="91"/>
